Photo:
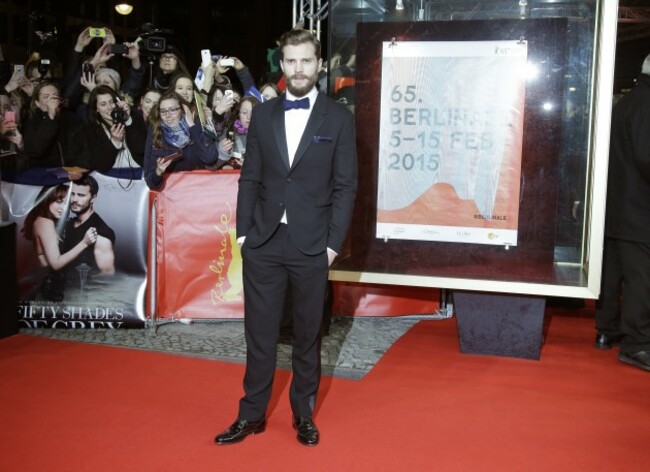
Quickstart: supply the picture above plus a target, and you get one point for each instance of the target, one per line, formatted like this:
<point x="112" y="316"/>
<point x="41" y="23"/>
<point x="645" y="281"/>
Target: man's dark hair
<point x="88" y="180"/>
<point x="296" y="37"/>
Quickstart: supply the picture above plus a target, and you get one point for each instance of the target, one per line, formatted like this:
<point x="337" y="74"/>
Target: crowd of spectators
<point x="105" y="111"/>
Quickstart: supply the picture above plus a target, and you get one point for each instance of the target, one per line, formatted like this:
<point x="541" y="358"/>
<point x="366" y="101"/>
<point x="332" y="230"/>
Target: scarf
<point x="239" y="127"/>
<point x="178" y="136"/>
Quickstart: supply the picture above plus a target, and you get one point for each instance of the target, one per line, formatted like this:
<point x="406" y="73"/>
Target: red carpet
<point x="68" y="406"/>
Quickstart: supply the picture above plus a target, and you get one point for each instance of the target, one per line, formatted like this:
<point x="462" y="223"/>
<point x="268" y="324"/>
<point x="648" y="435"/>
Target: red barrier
<point x="198" y="263"/>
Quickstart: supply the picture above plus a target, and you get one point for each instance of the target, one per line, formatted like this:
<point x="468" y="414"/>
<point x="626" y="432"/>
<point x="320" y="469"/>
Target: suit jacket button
<point x="289" y="180"/>
<point x="281" y="204"/>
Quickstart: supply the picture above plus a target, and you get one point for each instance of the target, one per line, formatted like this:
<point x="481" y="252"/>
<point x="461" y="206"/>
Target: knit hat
<point x="113" y="74"/>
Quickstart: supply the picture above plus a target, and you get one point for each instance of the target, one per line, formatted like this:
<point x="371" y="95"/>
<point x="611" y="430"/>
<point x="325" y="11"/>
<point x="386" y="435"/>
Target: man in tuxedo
<point x="296" y="195"/>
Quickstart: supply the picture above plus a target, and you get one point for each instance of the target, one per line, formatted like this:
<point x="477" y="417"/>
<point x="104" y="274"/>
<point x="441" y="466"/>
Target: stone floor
<point x="350" y="350"/>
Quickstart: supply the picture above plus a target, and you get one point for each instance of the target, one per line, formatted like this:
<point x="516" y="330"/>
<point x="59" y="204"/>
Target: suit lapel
<point x="277" y="120"/>
<point x="315" y="121"/>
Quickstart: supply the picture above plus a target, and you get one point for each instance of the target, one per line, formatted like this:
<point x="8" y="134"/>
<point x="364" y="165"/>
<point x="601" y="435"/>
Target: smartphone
<point x="228" y="94"/>
<point x="10" y="116"/>
<point x="19" y="69"/>
<point x="206" y="57"/>
<point x="227" y="62"/>
<point x="118" y="49"/>
<point x="87" y="68"/>
<point x="97" y="32"/>
<point x="173" y="157"/>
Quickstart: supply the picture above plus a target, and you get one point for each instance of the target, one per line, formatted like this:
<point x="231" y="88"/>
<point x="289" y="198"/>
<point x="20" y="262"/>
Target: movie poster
<point x="450" y="147"/>
<point x="81" y="251"/>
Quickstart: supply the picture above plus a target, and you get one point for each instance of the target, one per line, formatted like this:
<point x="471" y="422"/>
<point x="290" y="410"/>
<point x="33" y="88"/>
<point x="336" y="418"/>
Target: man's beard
<point x="305" y="89"/>
<point x="79" y="209"/>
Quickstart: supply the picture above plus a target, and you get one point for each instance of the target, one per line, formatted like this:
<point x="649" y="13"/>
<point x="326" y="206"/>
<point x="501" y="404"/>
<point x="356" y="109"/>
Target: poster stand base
<point x="500" y="325"/>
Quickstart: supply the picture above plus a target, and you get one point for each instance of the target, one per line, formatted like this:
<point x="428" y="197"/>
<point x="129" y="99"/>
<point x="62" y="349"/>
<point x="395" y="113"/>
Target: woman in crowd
<point x="183" y="85"/>
<point x="170" y="64"/>
<point x="270" y="90"/>
<point x="49" y="128"/>
<point x="175" y="141"/>
<point x="111" y="138"/>
<point x="149" y="99"/>
<point x="11" y="139"/>
<point x="222" y="102"/>
<point x="95" y="72"/>
<point x="102" y="69"/>
<point x="232" y="146"/>
<point x="43" y="226"/>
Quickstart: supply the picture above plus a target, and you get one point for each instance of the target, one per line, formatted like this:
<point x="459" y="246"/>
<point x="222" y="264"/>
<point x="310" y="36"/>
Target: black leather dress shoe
<point x="306" y="429"/>
<point x="604" y="341"/>
<point x="639" y="359"/>
<point x="239" y="430"/>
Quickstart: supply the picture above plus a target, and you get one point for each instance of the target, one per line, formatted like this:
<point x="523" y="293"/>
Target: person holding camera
<point x="83" y="77"/>
<point x="49" y="128"/>
<point x="176" y="142"/>
<point x="222" y="101"/>
<point x="111" y="139"/>
<point x="232" y="145"/>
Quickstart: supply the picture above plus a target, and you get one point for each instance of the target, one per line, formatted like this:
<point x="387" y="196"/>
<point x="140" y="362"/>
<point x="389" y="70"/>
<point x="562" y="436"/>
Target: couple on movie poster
<point x="81" y="253"/>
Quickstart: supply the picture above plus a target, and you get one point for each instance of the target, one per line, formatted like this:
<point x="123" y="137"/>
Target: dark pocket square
<point x="322" y="139"/>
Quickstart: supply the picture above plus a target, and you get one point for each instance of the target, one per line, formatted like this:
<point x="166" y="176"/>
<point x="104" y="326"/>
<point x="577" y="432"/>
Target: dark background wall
<point x="244" y="29"/>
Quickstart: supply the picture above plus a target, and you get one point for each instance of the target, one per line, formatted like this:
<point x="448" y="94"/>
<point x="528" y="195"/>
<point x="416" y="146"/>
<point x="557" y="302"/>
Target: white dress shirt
<point x="295" y="121"/>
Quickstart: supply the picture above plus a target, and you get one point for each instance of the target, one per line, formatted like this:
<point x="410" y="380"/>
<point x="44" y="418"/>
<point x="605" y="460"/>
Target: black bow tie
<point x="296" y="104"/>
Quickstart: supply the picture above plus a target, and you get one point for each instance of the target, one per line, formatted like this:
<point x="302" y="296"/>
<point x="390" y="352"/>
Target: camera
<point x="118" y="49"/>
<point x="153" y="44"/>
<point x="119" y="116"/>
<point x="43" y="67"/>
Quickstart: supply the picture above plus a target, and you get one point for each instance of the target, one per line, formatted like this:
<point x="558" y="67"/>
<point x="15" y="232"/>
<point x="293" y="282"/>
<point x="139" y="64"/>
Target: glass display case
<point x="430" y="85"/>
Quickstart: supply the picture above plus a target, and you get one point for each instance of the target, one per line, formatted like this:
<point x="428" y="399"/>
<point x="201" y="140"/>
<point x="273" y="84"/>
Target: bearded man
<point x="296" y="196"/>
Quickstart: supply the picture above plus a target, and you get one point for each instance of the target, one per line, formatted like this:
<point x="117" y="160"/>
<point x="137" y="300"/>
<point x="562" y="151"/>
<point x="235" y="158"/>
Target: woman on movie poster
<point x="43" y="227"/>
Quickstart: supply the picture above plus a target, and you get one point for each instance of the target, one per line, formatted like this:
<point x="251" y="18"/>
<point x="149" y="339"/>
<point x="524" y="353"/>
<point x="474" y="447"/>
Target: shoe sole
<point x="305" y="443"/>
<point x="629" y="360"/>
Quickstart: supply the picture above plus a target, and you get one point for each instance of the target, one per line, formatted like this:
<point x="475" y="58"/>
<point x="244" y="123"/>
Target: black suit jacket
<point x="628" y="187"/>
<point x="317" y="191"/>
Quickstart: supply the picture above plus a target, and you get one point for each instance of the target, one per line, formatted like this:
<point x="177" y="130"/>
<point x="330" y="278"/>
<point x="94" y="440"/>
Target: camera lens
<point x="118" y="116"/>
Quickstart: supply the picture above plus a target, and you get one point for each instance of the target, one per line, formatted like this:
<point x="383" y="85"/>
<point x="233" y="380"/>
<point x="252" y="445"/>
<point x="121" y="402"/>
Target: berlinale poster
<point x="450" y="143"/>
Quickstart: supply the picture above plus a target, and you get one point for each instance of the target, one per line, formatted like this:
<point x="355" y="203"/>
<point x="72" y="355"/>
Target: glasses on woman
<point x="169" y="111"/>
